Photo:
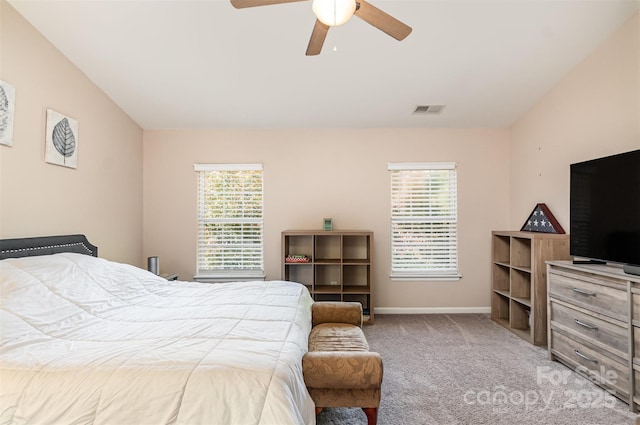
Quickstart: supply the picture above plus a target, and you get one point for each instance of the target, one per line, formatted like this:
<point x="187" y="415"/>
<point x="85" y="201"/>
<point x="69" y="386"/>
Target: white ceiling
<point x="201" y="64"/>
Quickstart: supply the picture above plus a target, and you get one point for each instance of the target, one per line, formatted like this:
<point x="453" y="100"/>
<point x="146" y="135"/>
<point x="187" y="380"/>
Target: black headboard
<point x="46" y="245"/>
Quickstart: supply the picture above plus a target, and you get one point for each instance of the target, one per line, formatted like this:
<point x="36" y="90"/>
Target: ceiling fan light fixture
<point x="333" y="12"/>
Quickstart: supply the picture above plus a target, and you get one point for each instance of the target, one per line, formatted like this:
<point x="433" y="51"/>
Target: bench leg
<point x="372" y="415"/>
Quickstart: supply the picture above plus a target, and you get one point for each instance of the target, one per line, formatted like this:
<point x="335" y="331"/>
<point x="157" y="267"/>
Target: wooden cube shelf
<point x="338" y="266"/>
<point x="519" y="283"/>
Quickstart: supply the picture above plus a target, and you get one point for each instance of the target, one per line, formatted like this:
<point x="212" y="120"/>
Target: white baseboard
<point x="430" y="310"/>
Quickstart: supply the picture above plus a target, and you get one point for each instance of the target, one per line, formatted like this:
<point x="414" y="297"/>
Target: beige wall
<point x="312" y="174"/>
<point x="102" y="198"/>
<point x="592" y="112"/>
<point x="309" y="174"/>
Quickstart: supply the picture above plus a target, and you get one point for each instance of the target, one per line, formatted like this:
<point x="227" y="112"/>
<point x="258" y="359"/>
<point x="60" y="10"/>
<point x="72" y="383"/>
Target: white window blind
<point x="424" y="235"/>
<point x="230" y="221"/>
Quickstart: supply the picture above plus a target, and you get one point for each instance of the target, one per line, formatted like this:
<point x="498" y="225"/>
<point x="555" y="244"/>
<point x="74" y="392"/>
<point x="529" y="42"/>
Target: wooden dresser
<point x="594" y="325"/>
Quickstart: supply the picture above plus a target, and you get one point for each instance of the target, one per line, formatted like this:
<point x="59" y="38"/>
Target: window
<point x="230" y="223"/>
<point x="424" y="241"/>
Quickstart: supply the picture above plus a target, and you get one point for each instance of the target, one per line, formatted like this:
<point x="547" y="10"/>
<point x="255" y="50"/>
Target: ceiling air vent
<point x="429" y="109"/>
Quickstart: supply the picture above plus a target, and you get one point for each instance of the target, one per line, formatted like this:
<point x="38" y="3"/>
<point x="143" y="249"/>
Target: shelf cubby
<point x="501" y="280"/>
<point x="328" y="297"/>
<point x="301" y="273"/>
<point x="355" y="275"/>
<point x="501" y="249"/>
<point x="520" y="285"/>
<point x="519" y="316"/>
<point x="363" y="299"/>
<point x="500" y="308"/>
<point x="327" y="274"/>
<point x="327" y="248"/>
<point x="520" y="253"/>
<point x="299" y="245"/>
<point x="355" y="248"/>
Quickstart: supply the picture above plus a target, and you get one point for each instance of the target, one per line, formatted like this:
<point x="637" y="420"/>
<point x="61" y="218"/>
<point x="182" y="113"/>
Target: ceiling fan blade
<point x="241" y="4"/>
<point x="317" y="38"/>
<point x="381" y="20"/>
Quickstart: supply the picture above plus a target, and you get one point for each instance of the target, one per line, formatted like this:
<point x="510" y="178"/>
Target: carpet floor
<point x="465" y="369"/>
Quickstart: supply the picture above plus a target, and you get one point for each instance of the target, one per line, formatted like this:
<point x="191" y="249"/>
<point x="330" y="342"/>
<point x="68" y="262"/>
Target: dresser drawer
<point x="598" y="368"/>
<point x="636" y="344"/>
<point x="635" y="298"/>
<point x="636" y="389"/>
<point x="604" y="334"/>
<point x="603" y="299"/>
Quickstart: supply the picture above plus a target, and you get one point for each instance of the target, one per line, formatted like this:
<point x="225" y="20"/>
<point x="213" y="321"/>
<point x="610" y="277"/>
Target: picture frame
<point x="7" y="112"/>
<point x="542" y="220"/>
<point x="61" y="140"/>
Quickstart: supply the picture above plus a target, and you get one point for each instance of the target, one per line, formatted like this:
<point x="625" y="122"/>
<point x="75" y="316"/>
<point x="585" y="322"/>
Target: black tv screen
<point x="605" y="209"/>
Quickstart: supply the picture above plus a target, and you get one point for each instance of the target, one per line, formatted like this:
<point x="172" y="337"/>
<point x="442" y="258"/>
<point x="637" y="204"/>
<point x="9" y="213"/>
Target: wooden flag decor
<point x="541" y="220"/>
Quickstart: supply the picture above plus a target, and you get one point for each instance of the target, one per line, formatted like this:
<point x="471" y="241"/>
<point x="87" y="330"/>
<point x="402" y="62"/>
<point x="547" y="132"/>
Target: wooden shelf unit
<point x="519" y="283"/>
<point x="339" y="266"/>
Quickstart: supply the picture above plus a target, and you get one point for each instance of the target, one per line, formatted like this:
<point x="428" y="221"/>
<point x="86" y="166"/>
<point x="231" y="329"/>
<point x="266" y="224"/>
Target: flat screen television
<point x="605" y="210"/>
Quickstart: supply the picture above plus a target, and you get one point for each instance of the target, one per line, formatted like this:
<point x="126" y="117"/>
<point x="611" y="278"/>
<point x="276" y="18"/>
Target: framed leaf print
<point x="7" y="111"/>
<point x="541" y="220"/>
<point x="61" y="140"/>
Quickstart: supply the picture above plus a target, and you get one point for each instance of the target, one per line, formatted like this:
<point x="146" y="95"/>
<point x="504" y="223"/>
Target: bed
<point x="86" y="340"/>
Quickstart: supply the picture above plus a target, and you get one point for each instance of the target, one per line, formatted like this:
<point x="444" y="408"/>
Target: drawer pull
<point x="587" y="358"/>
<point x="586" y="325"/>
<point x="583" y="292"/>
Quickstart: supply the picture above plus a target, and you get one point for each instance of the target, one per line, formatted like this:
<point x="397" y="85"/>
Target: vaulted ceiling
<point x="201" y="64"/>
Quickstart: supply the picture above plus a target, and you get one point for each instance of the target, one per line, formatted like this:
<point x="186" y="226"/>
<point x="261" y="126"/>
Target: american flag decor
<point x="541" y="220"/>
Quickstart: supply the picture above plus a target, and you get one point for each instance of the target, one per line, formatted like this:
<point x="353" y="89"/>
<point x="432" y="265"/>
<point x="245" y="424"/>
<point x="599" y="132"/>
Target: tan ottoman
<point x="339" y="370"/>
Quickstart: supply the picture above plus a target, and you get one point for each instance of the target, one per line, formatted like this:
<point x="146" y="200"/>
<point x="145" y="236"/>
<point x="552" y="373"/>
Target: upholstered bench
<point x="339" y="370"/>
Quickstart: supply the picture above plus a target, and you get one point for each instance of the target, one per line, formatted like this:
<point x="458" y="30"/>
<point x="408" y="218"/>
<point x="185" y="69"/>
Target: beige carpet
<point x="465" y="369"/>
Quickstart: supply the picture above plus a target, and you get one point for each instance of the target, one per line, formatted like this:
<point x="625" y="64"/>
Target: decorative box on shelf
<point x="296" y="259"/>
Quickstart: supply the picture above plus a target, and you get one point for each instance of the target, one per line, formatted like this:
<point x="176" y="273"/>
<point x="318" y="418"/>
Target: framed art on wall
<point x="7" y="111"/>
<point x="61" y="140"/>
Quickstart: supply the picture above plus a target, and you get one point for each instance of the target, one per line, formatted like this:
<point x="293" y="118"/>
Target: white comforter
<point x="85" y="340"/>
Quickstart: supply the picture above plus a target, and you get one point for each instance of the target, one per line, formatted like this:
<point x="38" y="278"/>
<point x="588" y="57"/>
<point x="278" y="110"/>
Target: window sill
<point x="232" y="278"/>
<point x="426" y="278"/>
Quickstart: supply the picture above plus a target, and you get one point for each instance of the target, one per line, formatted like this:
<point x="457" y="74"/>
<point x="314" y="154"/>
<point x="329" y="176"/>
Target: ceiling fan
<point x="330" y="13"/>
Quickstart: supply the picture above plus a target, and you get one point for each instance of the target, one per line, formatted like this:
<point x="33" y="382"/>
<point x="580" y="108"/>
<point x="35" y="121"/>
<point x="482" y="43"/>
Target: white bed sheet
<point x="86" y="340"/>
